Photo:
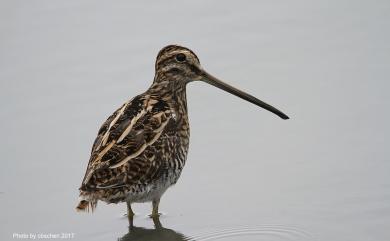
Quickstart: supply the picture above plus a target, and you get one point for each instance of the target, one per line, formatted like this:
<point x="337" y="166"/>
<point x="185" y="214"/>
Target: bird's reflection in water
<point x="158" y="233"/>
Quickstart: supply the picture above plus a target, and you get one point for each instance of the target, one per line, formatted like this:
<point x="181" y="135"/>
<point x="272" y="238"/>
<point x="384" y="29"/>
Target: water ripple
<point x="268" y="232"/>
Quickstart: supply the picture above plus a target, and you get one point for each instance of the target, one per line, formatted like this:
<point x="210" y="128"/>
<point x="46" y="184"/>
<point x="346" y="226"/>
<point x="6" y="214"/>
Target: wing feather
<point x="157" y="132"/>
<point x="124" y="137"/>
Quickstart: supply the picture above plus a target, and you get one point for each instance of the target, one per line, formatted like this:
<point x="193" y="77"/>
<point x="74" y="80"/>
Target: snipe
<point x="141" y="149"/>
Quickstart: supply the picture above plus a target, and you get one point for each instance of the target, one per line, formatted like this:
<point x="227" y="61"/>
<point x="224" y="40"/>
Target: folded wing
<point x="124" y="139"/>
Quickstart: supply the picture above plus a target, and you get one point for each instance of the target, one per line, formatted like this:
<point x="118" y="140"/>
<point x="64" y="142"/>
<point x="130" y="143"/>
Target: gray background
<point x="323" y="175"/>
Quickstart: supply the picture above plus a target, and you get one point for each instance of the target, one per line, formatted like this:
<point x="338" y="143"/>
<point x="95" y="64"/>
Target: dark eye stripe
<point x="174" y="71"/>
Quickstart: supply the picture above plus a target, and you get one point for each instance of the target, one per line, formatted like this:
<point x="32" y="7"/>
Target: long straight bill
<point x="208" y="78"/>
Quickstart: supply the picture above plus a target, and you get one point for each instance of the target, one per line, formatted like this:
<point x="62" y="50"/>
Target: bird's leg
<point x="155" y="208"/>
<point x="157" y="223"/>
<point x="130" y="214"/>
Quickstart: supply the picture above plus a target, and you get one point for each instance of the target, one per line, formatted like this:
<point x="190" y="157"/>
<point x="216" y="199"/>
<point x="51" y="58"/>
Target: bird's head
<point x="180" y="65"/>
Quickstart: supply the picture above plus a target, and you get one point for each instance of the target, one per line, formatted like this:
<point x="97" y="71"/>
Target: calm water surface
<point x="322" y="175"/>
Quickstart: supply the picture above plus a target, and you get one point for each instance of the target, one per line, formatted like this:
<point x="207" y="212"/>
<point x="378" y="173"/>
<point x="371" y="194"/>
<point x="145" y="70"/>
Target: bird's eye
<point x="181" y="57"/>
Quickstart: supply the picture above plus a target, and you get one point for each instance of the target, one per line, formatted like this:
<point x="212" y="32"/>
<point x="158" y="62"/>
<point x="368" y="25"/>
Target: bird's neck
<point x="173" y="92"/>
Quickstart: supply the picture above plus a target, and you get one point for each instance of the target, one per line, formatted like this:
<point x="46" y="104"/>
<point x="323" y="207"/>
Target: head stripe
<point x="166" y="51"/>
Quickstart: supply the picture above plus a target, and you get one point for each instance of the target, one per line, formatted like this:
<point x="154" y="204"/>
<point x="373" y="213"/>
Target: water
<point x="322" y="175"/>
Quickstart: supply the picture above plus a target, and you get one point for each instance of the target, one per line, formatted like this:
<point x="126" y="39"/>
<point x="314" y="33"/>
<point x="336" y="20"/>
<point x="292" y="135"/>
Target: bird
<point x="141" y="149"/>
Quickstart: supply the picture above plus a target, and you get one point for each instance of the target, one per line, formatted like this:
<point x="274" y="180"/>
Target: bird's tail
<point x="87" y="203"/>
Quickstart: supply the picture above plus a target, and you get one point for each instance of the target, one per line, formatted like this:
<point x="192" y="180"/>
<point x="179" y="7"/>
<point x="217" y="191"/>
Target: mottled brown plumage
<point x="141" y="149"/>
